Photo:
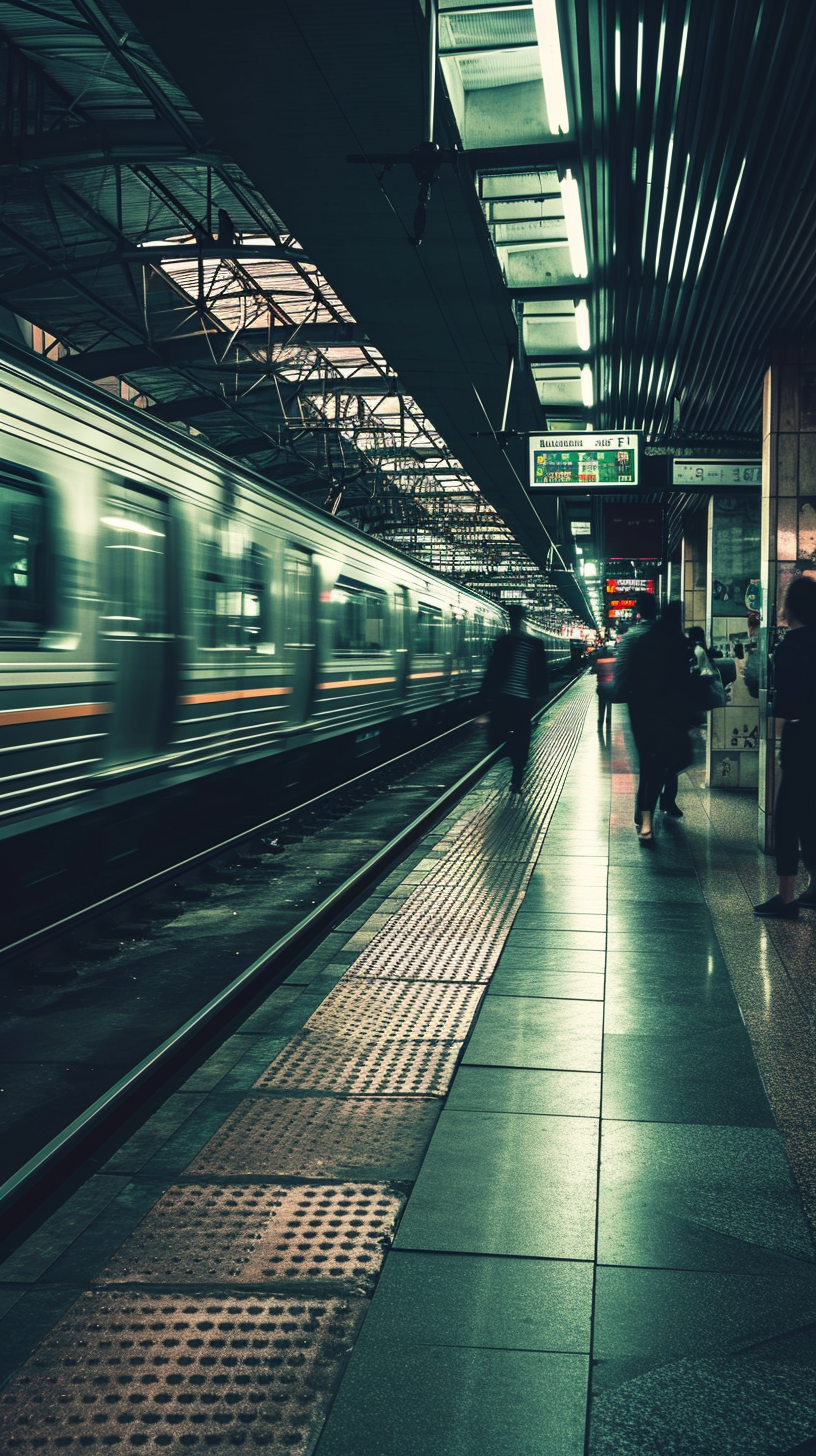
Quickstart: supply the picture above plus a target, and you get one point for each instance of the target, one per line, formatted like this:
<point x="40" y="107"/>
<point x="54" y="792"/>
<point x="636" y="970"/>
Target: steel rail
<point x="70" y="922"/>
<point x="43" y="1173"/>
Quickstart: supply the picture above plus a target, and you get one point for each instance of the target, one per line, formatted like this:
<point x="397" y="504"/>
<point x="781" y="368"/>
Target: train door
<point x="135" y="622"/>
<point x="300" y="628"/>
<point x="401" y="621"/>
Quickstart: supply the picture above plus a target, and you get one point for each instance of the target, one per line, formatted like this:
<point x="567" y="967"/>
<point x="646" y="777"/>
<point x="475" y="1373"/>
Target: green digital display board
<point x="583" y="459"/>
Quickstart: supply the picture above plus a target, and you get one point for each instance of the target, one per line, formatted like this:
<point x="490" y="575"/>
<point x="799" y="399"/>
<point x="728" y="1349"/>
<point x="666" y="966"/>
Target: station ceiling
<point x="151" y="152"/>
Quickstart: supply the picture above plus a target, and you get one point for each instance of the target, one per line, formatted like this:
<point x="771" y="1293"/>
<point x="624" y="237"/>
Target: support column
<point x="732" y="742"/>
<point x="788" y="543"/>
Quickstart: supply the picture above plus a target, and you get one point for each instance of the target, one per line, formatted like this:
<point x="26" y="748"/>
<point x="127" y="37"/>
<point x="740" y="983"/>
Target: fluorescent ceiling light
<point x="587" y="393"/>
<point x="571" y="202"/>
<point x="582" y="324"/>
<point x="552" y="68"/>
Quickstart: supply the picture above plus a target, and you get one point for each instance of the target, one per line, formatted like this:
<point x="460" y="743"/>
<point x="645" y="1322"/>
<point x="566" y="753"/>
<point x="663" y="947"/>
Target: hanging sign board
<point x="716" y="472"/>
<point x="581" y="528"/>
<point x="583" y="459"/>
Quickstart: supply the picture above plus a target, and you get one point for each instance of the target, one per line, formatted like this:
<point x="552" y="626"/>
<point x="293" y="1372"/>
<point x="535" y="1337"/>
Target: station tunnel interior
<point x="333" y="339"/>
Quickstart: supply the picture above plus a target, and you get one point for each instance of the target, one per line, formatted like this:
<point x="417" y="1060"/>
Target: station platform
<point x="520" y="1162"/>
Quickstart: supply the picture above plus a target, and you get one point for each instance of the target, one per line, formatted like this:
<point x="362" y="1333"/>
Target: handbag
<point x="707" y="691"/>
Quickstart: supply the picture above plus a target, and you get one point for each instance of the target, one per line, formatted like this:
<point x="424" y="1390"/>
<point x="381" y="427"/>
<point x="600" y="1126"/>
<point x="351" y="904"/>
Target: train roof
<point x="23" y="360"/>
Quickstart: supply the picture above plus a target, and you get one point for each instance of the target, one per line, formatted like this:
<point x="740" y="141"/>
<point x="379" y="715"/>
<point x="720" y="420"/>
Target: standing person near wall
<point x="671" y="621"/>
<point x="794" y="666"/>
<point x="652" y="676"/>
<point x="515" y="681"/>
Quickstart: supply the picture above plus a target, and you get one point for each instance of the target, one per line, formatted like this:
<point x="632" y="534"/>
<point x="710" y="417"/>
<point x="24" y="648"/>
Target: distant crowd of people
<point x="668" y="680"/>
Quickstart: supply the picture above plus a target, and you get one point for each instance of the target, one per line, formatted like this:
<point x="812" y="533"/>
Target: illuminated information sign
<point x="716" y="472"/>
<point x="621" y="594"/>
<point x="583" y="459"/>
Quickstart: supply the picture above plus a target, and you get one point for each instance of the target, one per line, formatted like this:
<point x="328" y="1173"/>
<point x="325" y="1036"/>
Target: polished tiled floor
<point x="605" y="1250"/>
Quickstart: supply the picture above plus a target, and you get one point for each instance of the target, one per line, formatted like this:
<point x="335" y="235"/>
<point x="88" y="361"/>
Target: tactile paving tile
<point x="314" y="1137"/>
<point x="397" y="1009"/>
<point x="256" y="1234"/>
<point x="314" y="1063"/>
<point x="181" y="1372"/>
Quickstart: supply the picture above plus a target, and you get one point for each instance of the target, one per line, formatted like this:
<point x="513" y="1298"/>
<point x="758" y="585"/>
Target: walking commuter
<point x="652" y="677"/>
<point x="515" y="680"/>
<point x="794" y="666"/>
<point x="603" y="666"/>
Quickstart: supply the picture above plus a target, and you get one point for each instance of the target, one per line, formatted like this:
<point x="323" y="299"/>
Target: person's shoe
<point x="808" y="897"/>
<point x="515" y="786"/>
<point x="673" y="810"/>
<point x="777" y="909"/>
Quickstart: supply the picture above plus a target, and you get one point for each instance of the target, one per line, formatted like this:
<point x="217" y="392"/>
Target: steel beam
<point x="199" y="348"/>
<point x="88" y="146"/>
<point x="21" y="279"/>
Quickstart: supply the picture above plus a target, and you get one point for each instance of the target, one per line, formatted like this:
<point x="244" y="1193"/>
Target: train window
<point x="298" y="594"/>
<point x="234" y="604"/>
<point x="134" y="568"/>
<point x="359" y="617"/>
<point x="428" y="637"/>
<point x="256" y="623"/>
<point x="460" y="645"/>
<point x="23" y="604"/>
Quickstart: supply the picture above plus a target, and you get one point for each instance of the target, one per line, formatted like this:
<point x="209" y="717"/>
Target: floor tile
<point x="517" y="1031"/>
<point x="458" y="1402"/>
<point x="697" y="1076"/>
<point x="670" y="1006"/>
<point x="550" y="960"/>
<point x="524" y="937"/>
<point x="647" y="1317"/>
<point x="496" y="1183"/>
<point x="520" y="1089"/>
<point x="472" y="1299"/>
<point x="558" y="920"/>
<point x="526" y="981"/>
<point x="694" y="1197"/>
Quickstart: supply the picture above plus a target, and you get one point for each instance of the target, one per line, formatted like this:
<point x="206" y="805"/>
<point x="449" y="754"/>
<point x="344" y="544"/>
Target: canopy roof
<point x="181" y="213"/>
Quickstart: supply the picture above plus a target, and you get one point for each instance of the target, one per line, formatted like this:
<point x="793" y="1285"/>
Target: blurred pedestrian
<point x="652" y="677"/>
<point x="516" y="680"/>
<point x="794" y="667"/>
<point x="603" y="666"/>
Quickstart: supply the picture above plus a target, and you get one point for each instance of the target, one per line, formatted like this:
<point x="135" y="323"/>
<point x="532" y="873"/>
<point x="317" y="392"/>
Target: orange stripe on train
<point x="190" y="699"/>
<point x="61" y="710"/>
<point x="354" y="682"/>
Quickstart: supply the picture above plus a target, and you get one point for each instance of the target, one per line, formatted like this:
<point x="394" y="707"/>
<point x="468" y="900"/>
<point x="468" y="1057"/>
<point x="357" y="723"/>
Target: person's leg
<point x="783" y="905"/>
<point x="641" y="735"/>
<point x="520" y="743"/>
<point x="807" y="828"/>
<point x="653" y="767"/>
<point x="668" y="797"/>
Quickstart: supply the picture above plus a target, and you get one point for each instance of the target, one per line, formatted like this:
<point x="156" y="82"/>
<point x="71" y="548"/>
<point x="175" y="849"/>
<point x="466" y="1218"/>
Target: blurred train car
<point x="165" y="615"/>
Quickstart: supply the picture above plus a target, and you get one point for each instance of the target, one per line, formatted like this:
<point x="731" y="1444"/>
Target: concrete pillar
<point x="732" y="740"/>
<point x="694" y="554"/>
<point x="788" y="542"/>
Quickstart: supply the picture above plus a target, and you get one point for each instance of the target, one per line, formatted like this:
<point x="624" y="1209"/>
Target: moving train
<point x="165" y="614"/>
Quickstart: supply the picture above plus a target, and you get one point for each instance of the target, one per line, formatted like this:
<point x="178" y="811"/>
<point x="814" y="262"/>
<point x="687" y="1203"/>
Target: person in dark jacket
<point x="652" y="676"/>
<point x="794" y="666"/>
<point x="515" y="681"/>
<point x="671" y="620"/>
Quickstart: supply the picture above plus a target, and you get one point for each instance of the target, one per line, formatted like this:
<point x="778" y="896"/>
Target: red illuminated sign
<point x="616" y="584"/>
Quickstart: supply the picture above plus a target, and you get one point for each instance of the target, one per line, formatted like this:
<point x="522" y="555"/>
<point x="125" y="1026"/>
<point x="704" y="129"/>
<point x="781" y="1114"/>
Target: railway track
<point x="104" y="1008"/>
